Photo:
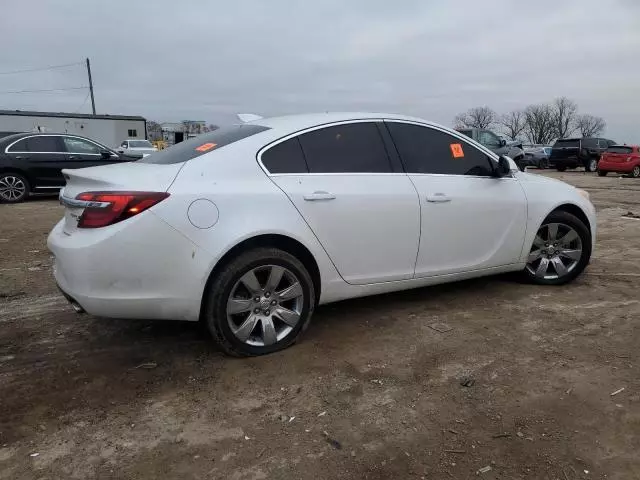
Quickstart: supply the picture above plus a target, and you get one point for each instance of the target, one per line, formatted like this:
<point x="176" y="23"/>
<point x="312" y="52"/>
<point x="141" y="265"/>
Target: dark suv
<point x="32" y="162"/>
<point x="578" y="152"/>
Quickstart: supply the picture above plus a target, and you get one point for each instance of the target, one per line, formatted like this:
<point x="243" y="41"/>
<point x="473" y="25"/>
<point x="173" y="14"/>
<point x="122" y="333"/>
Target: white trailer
<point x="109" y="130"/>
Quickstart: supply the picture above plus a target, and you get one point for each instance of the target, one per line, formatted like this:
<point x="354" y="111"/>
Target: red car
<point x="620" y="159"/>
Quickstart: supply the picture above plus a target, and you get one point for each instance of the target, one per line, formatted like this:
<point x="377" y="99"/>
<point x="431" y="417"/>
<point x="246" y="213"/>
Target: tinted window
<point x="353" y="147"/>
<point x="79" y="145"/>
<point x="43" y="144"/>
<point x="205" y="143"/>
<point x="140" y="144"/>
<point x="589" y="142"/>
<point x="468" y="133"/>
<point x="619" y="149"/>
<point x="285" y="157"/>
<point x="488" y="139"/>
<point x="20" y="146"/>
<point x="567" y="143"/>
<point x="426" y="150"/>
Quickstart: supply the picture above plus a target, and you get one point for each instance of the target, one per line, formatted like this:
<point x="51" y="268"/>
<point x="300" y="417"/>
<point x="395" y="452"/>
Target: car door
<point x="82" y="152"/>
<point x="360" y="206"/>
<point x="470" y="219"/>
<point x="42" y="155"/>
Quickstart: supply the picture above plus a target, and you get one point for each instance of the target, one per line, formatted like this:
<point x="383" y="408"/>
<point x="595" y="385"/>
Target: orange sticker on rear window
<point x="205" y="146"/>
<point x="456" y="150"/>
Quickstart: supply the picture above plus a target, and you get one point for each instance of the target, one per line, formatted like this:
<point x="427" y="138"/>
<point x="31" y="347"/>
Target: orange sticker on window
<point x="205" y="146"/>
<point x="456" y="150"/>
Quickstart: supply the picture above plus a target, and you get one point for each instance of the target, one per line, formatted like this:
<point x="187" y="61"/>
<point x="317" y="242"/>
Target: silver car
<point x="134" y="147"/>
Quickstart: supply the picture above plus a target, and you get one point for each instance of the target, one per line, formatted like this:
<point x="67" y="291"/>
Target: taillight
<point x="107" y="208"/>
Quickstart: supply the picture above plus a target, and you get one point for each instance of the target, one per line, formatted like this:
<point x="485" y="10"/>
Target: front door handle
<point x="319" y="195"/>
<point x="72" y="157"/>
<point x="438" y="198"/>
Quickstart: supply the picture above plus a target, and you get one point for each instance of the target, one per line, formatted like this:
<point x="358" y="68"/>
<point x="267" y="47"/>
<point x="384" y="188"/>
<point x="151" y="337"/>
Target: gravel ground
<point x="371" y="392"/>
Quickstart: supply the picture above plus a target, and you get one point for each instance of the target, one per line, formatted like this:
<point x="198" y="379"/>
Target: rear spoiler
<point x="248" y="117"/>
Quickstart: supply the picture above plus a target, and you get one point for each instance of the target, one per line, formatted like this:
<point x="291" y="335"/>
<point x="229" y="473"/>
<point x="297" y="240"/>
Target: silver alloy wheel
<point x="265" y="305"/>
<point x="11" y="188"/>
<point x="636" y="171"/>
<point x="556" y="251"/>
<point x="593" y="165"/>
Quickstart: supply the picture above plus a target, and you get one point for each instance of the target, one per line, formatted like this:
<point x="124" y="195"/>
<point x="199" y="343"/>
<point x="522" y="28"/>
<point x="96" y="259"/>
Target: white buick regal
<point x="249" y="227"/>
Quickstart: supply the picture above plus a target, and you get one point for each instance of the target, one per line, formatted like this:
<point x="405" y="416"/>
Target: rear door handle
<point x="73" y="157"/>
<point x="438" y="198"/>
<point x="319" y="195"/>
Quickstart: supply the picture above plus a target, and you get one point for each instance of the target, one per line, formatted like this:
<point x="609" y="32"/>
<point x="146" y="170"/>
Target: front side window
<point x="285" y="157"/>
<point x="427" y="150"/>
<point x="45" y="144"/>
<point x="488" y="139"/>
<point x="79" y="145"/>
<point x="347" y="148"/>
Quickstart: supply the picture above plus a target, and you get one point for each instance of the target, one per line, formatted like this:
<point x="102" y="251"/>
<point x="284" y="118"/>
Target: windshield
<point x="620" y="149"/>
<point x="140" y="144"/>
<point x="194" y="147"/>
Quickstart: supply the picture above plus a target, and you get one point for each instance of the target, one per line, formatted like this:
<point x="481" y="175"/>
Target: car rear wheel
<point x="560" y="252"/>
<point x="591" y="165"/>
<point x="259" y="303"/>
<point x="602" y="173"/>
<point x="635" y="173"/>
<point x="14" y="188"/>
<point x="543" y="163"/>
<point x="561" y="168"/>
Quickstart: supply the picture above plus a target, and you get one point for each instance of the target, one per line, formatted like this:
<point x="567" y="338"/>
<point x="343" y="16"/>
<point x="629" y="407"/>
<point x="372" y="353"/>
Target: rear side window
<point x="285" y="157"/>
<point x="205" y="143"/>
<point x="44" y="144"/>
<point x="619" y="149"/>
<point x="20" y="146"/>
<point x="427" y="150"/>
<point x="567" y="143"/>
<point x="348" y="148"/>
<point x="589" y="142"/>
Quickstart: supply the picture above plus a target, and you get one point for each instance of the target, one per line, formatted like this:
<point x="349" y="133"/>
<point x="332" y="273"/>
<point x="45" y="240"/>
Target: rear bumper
<point x="123" y="271"/>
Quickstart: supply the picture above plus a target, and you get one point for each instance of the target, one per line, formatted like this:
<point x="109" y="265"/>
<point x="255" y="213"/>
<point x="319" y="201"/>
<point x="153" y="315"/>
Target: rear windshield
<point x="567" y="143"/>
<point x="205" y="143"/>
<point x="468" y="133"/>
<point x="140" y="144"/>
<point x="617" y="149"/>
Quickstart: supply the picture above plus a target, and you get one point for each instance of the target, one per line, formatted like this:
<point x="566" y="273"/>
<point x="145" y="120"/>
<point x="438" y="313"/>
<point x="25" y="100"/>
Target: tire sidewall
<point x="585" y="237"/>
<point x="220" y="290"/>
<point x="26" y="185"/>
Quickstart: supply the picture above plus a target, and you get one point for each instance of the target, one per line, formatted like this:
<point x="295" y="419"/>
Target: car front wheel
<point x="635" y="173"/>
<point x="561" y="250"/>
<point x="14" y="188"/>
<point x="259" y="303"/>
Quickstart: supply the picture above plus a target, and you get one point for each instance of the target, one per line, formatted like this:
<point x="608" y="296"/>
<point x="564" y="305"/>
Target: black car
<point x="32" y="162"/>
<point x="578" y="152"/>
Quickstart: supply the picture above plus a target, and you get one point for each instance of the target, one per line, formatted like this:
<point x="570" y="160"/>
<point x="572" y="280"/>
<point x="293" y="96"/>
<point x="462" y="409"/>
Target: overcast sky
<point x="207" y="60"/>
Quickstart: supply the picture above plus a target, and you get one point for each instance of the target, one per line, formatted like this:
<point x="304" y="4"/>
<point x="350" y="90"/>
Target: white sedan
<point x="250" y="227"/>
<point x="137" y="147"/>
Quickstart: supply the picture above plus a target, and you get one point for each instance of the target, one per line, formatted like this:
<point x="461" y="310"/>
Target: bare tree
<point x="154" y="130"/>
<point x="590" y="126"/>
<point x="477" y="117"/>
<point x="539" y="121"/>
<point x="563" y="117"/>
<point x="513" y="123"/>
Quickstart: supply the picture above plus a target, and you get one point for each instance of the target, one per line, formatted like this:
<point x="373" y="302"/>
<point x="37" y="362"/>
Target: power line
<point x="51" y="67"/>
<point x="82" y="104"/>
<point x="44" y="90"/>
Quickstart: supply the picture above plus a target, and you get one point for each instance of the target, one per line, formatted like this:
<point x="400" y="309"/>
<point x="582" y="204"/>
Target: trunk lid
<point x="565" y="148"/>
<point x="617" y="154"/>
<point x="140" y="177"/>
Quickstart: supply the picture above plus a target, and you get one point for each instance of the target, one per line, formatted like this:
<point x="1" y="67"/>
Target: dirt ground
<point x="371" y="392"/>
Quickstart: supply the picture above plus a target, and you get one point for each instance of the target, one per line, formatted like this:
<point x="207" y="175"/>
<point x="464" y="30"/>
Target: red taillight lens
<point x="113" y="207"/>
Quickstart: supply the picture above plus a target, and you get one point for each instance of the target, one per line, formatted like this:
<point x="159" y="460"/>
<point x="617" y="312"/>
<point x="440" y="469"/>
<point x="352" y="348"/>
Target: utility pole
<point x="93" y="102"/>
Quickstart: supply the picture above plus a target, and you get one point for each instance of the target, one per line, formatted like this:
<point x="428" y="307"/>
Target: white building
<point x="109" y="130"/>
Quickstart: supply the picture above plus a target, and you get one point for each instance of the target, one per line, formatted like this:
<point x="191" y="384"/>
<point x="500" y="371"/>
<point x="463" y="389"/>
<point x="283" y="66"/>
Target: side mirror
<point x="504" y="167"/>
<point x="106" y="154"/>
<point x="503" y="142"/>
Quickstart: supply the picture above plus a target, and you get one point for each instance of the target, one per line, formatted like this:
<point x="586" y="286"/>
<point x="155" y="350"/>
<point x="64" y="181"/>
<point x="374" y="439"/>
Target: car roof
<point x="302" y="121"/>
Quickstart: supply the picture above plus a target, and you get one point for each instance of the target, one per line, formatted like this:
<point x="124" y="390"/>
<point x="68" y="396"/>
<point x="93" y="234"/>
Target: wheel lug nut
<point x="267" y="312"/>
<point x="546" y="244"/>
<point x="267" y="294"/>
<point x="256" y="299"/>
<point x="273" y="302"/>
<point x="256" y="310"/>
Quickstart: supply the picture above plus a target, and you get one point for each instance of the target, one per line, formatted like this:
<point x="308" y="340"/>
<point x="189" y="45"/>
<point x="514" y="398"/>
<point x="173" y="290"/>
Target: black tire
<point x="635" y="173"/>
<point x="543" y="163"/>
<point x="585" y="237"/>
<point x="220" y="289"/>
<point x="588" y="167"/>
<point x="10" y="177"/>
<point x="561" y="168"/>
<point x="602" y="173"/>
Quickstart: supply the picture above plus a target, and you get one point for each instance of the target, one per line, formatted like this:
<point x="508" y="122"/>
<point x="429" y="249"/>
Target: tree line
<point x="540" y="123"/>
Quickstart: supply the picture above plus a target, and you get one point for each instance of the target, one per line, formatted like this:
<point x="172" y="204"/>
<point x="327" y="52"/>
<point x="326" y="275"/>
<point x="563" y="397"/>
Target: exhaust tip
<point x="76" y="306"/>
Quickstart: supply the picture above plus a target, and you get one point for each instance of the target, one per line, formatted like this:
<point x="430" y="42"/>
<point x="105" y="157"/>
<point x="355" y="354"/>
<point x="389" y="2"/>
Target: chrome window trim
<point x="6" y="150"/>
